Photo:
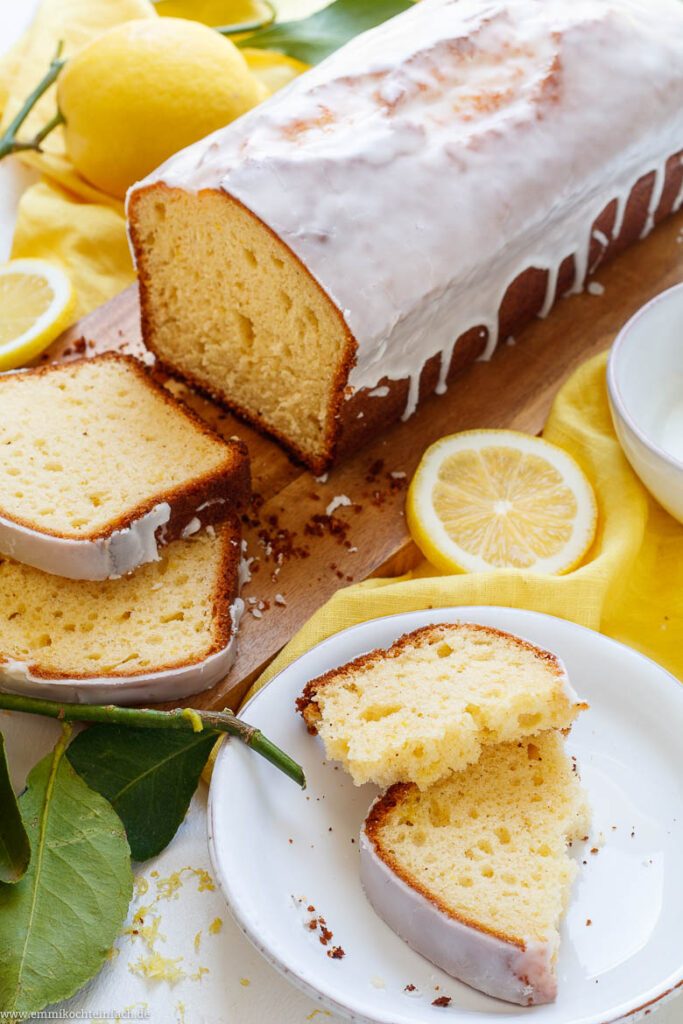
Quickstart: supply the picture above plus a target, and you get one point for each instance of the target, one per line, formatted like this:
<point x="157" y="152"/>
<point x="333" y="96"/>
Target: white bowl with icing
<point x="645" y="387"/>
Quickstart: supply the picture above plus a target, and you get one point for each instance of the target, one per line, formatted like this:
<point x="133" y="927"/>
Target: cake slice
<point x="100" y="466"/>
<point x="474" y="873"/>
<point x="162" y="633"/>
<point x="429" y="704"/>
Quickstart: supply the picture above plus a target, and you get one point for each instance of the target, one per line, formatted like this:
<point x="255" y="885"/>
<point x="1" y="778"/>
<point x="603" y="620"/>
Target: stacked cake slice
<point x="465" y="855"/>
<point x="120" y="542"/>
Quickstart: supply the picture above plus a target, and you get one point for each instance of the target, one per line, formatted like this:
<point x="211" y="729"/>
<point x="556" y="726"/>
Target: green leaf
<point x="148" y="777"/>
<point x="316" y="37"/>
<point x="15" y="849"/>
<point x="59" y="922"/>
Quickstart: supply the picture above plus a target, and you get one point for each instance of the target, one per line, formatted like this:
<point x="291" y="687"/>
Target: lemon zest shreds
<point x="159" y="968"/>
<point x="141" y="886"/>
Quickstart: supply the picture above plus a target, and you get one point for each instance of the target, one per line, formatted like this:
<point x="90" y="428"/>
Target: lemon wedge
<point x="494" y="499"/>
<point x="36" y="302"/>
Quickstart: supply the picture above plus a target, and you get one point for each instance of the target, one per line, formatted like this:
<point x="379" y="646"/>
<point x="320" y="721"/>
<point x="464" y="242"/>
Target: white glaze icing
<point x="487" y="963"/>
<point x="104" y="558"/>
<point x="194" y="526"/>
<point x="210" y="502"/>
<point x="172" y="684"/>
<point x="477" y="138"/>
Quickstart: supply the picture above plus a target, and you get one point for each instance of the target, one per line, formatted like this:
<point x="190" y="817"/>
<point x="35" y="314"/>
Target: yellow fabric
<point x="63" y="218"/>
<point x="630" y="585"/>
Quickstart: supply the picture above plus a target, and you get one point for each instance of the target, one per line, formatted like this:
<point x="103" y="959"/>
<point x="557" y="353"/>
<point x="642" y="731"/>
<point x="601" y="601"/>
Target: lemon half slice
<point x="36" y="302"/>
<point x="493" y="499"/>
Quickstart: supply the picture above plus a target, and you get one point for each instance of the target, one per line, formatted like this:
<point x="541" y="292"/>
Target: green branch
<point x="184" y="719"/>
<point x="8" y="141"/>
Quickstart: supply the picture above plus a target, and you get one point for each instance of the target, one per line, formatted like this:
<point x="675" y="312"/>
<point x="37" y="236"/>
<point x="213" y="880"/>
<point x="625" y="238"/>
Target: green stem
<point x="8" y="140"/>
<point x="54" y="122"/>
<point x="184" y="719"/>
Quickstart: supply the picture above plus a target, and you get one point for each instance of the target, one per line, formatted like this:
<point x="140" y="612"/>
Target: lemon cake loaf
<point x="101" y="466"/>
<point x="474" y="873"/>
<point x="428" y="705"/>
<point x="328" y="260"/>
<point x="164" y="632"/>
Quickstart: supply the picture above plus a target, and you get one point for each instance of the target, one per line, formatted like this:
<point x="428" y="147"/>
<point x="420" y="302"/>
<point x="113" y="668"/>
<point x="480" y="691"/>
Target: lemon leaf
<point x="58" y="923"/>
<point x="15" y="848"/>
<point x="312" y="39"/>
<point x="148" y="777"/>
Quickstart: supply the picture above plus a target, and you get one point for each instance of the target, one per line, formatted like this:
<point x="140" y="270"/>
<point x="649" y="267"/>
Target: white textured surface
<point x="420" y="138"/>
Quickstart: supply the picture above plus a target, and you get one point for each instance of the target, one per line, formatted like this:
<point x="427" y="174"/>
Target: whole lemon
<point x="145" y="89"/>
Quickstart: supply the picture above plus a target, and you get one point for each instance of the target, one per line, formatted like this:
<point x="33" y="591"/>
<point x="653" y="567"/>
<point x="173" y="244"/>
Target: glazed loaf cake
<point x="337" y="254"/>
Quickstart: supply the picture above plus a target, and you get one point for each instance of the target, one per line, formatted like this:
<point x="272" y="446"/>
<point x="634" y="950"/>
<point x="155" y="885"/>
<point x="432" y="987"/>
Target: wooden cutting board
<point x="301" y="556"/>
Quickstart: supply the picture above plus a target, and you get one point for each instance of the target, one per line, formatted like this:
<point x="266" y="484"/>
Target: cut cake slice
<point x="474" y="873"/>
<point x="162" y="633"/>
<point x="429" y="704"/>
<point x="100" y="465"/>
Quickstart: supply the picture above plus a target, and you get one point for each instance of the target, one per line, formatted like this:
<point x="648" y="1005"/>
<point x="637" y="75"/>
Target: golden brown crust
<point x="226" y="592"/>
<point x="347" y="428"/>
<point x="379" y="812"/>
<point x="307" y="706"/>
<point x="230" y="482"/>
<point x="316" y="463"/>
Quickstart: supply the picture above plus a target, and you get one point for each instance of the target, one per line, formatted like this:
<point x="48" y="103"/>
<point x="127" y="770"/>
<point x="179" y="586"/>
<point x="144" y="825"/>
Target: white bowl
<point x="645" y="387"/>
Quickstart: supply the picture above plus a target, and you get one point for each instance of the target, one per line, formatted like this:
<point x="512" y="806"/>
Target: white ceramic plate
<point x="277" y="851"/>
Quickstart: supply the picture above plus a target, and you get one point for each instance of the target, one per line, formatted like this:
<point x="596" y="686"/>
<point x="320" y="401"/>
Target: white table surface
<point x="240" y="987"/>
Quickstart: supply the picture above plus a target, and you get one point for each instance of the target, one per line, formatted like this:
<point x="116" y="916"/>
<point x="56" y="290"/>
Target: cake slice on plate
<point x="162" y="633"/>
<point x="474" y="873"/>
<point x="100" y="466"/>
<point x="429" y="704"/>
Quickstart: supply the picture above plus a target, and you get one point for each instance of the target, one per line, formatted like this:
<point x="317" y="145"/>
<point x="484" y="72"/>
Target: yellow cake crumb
<point x="434" y="700"/>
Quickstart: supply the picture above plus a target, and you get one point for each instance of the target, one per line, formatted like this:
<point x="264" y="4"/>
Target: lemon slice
<point x="36" y="302"/>
<point x="493" y="499"/>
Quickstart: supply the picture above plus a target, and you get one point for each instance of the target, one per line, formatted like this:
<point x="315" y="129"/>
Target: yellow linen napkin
<point x="63" y="218"/>
<point x="630" y="586"/>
